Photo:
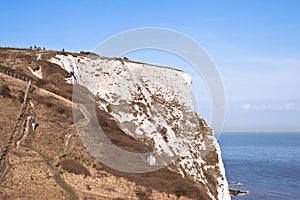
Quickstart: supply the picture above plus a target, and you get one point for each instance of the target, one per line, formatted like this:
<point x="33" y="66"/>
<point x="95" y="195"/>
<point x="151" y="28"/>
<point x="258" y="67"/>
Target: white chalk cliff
<point x="154" y="105"/>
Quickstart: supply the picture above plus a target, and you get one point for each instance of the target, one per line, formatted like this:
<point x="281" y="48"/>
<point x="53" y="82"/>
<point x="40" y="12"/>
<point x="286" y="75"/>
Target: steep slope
<point x="53" y="163"/>
<point x="153" y="104"/>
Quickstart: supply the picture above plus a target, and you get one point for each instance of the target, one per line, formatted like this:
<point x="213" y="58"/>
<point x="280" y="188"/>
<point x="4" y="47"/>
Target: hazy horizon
<point x="255" y="46"/>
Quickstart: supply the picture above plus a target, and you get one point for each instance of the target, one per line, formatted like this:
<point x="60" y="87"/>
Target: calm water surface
<point x="265" y="164"/>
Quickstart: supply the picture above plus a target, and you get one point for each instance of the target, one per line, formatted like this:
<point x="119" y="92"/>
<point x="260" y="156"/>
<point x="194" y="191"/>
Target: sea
<point x="267" y="165"/>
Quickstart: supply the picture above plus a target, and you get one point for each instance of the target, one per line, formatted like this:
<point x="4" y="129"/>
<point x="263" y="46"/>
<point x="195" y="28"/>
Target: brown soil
<point x="44" y="168"/>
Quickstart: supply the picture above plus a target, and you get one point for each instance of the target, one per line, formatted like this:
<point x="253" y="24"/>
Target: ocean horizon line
<point x="260" y="132"/>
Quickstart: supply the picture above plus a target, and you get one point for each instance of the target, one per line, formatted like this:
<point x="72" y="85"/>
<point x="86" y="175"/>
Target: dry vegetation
<point x="44" y="168"/>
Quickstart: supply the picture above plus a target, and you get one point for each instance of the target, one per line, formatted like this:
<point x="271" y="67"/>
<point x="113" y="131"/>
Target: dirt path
<point x="65" y="186"/>
<point x="5" y="172"/>
<point x="7" y="145"/>
<point x="44" y="92"/>
<point x="5" y="150"/>
<point x="38" y="90"/>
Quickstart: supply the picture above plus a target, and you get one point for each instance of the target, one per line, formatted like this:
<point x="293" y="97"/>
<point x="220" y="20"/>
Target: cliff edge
<point x="140" y="107"/>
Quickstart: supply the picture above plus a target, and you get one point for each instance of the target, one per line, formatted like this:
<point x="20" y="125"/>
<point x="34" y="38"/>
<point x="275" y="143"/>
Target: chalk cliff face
<point x="154" y="105"/>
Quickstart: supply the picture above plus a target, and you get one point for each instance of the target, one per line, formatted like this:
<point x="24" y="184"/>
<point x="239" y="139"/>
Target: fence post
<point x="6" y="145"/>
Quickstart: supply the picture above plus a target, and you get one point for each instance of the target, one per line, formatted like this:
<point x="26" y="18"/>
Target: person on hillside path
<point x="33" y="123"/>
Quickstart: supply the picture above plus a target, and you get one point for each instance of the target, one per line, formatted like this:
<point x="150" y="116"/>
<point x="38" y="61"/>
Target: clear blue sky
<point x="255" y="45"/>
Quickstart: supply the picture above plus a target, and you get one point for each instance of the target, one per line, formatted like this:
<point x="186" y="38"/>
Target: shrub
<point x="75" y="167"/>
<point x="109" y="108"/>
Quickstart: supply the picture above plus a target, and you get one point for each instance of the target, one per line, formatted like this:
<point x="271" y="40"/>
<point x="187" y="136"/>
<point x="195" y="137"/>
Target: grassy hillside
<point x="52" y="162"/>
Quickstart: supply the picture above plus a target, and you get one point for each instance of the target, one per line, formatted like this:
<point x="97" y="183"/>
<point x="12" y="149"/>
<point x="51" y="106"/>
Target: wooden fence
<point x="15" y="75"/>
